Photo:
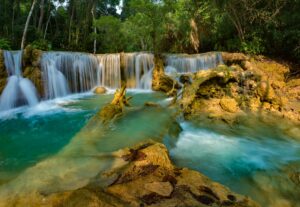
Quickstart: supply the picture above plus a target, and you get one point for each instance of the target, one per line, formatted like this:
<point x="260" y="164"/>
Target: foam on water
<point x="224" y="157"/>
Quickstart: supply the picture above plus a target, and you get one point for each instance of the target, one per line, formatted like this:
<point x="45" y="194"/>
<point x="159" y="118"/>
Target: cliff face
<point x="246" y="88"/>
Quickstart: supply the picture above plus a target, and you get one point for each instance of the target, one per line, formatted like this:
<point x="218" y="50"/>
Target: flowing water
<point x="192" y="63"/>
<point x="18" y="90"/>
<point x="257" y="164"/>
<point x="52" y="146"/>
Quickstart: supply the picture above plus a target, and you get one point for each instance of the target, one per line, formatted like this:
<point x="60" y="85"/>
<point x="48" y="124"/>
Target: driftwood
<point x="116" y="107"/>
<point x="162" y="82"/>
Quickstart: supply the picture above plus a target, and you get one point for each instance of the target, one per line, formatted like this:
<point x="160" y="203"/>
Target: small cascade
<point x="18" y="90"/>
<point x="110" y="74"/>
<point x="129" y="72"/>
<point x="193" y="63"/>
<point x="138" y="70"/>
<point x="68" y="72"/>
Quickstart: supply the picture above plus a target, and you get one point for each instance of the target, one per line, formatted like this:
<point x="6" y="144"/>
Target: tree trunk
<point x="70" y="24"/>
<point x="47" y="24"/>
<point x="27" y="24"/>
<point x="42" y="12"/>
<point x="95" y="32"/>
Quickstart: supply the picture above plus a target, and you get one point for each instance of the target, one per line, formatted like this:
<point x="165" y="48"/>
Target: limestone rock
<point x="161" y="188"/>
<point x="230" y="58"/>
<point x="266" y="92"/>
<point x="229" y="105"/>
<point x="100" y="90"/>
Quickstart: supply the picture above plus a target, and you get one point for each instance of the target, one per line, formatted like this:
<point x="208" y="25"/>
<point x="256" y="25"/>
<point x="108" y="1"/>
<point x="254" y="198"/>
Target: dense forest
<point x="270" y="27"/>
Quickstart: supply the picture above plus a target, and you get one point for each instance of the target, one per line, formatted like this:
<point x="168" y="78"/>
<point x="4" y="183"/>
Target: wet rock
<point x="151" y="104"/>
<point x="185" y="79"/>
<point x="100" y="90"/>
<point x="3" y="73"/>
<point x="35" y="75"/>
<point x="162" y="82"/>
<point x="229" y="105"/>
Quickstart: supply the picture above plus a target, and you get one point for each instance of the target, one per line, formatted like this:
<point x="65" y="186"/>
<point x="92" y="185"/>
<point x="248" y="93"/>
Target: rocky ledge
<point x="245" y="87"/>
<point x="148" y="178"/>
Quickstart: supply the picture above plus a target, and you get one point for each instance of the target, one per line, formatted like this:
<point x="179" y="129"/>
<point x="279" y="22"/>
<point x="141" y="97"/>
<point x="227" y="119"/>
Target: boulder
<point x="100" y="90"/>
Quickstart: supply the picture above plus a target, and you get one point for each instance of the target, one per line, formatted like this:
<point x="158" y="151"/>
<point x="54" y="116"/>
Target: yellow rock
<point x="229" y="105"/>
<point x="100" y="90"/>
<point x="161" y="188"/>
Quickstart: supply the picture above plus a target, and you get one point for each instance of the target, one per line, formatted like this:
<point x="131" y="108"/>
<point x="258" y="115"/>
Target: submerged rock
<point x="150" y="179"/>
<point x="100" y="90"/>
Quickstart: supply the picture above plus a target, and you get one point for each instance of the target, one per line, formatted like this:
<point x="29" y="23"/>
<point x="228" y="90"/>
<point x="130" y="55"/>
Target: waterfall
<point x="193" y="63"/>
<point x="69" y="72"/>
<point x="18" y="90"/>
<point x="138" y="70"/>
<point x="110" y="70"/>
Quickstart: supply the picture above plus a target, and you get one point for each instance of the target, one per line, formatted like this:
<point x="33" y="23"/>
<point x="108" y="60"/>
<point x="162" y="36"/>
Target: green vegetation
<point x="270" y="27"/>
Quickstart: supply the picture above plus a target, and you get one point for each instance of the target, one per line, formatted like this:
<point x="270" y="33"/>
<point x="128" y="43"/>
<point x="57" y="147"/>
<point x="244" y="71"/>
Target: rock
<point x="231" y="58"/>
<point x="266" y="92"/>
<point x="151" y="104"/>
<point x="229" y="105"/>
<point x="3" y="73"/>
<point x="185" y="79"/>
<point x="162" y="82"/>
<point x="100" y="90"/>
<point x="35" y="75"/>
<point x="161" y="188"/>
<point x="225" y="94"/>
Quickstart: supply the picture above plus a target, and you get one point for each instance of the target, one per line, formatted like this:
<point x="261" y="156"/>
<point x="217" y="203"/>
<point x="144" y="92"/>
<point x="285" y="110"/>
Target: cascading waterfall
<point x="110" y="74"/>
<point x="193" y="63"/>
<point x="138" y="70"/>
<point x="18" y="90"/>
<point x="68" y="72"/>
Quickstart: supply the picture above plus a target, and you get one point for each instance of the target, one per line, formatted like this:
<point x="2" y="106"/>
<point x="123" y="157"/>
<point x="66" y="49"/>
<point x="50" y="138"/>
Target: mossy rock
<point x="35" y="75"/>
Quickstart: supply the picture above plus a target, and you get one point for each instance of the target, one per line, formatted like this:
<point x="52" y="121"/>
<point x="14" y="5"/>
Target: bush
<point x="4" y="44"/>
<point x="41" y="44"/>
<point x="253" y="47"/>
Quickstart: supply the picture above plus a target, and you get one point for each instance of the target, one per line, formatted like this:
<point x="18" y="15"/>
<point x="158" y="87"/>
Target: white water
<point x="193" y="63"/>
<point x="110" y="72"/>
<point x="18" y="90"/>
<point x="66" y="72"/>
<point x="144" y="64"/>
<point x="226" y="157"/>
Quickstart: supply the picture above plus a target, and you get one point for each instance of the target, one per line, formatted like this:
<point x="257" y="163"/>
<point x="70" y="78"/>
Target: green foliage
<point x="4" y="44"/>
<point x="109" y="28"/>
<point x="253" y="47"/>
<point x="269" y="27"/>
<point x="41" y="44"/>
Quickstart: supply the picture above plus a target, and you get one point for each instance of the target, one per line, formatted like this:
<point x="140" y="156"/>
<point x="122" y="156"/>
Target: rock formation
<point x="162" y="82"/>
<point x="146" y="177"/>
<point x="248" y="86"/>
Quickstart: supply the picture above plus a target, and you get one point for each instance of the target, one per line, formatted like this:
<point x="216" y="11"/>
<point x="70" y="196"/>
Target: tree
<point x="26" y="24"/>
